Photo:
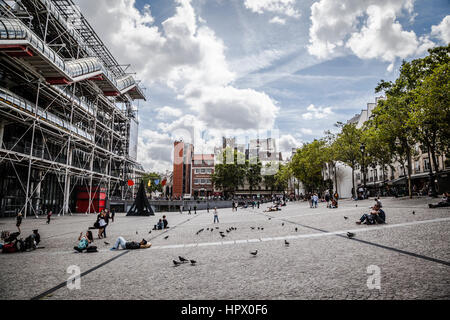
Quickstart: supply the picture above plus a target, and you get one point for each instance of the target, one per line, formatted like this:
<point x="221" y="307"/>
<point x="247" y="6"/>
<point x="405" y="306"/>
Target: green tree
<point x="307" y="164"/>
<point x="396" y="116"/>
<point x="152" y="186"/>
<point x="229" y="175"/>
<point x="253" y="174"/>
<point x="347" y="147"/>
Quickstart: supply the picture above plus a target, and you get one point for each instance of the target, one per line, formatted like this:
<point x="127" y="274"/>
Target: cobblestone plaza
<point x="321" y="262"/>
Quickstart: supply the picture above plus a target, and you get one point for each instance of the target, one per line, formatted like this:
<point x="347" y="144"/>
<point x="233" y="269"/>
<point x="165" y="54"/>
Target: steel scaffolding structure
<point x="68" y="123"/>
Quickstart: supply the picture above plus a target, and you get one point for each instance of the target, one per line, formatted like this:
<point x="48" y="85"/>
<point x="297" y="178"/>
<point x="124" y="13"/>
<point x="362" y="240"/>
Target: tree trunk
<point x="335" y="176"/>
<point x="433" y="156"/>
<point x="353" y="182"/>
<point x="409" y="172"/>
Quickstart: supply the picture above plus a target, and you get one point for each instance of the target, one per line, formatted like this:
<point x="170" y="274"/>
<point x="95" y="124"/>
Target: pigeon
<point x="222" y="235"/>
<point x="211" y="230"/>
<point x="228" y="231"/>
<point x="270" y="218"/>
<point x="217" y="227"/>
<point x="282" y="224"/>
<point x="262" y="228"/>
<point x="193" y="262"/>
<point x="182" y="259"/>
<point x="176" y="263"/>
<point x="254" y="253"/>
<point x="136" y="232"/>
<point x="296" y="229"/>
<point x="253" y="228"/>
<point x="150" y="231"/>
<point x="413" y="212"/>
<point x="350" y="235"/>
<point x="259" y="228"/>
<point x="106" y="243"/>
<point x="345" y="217"/>
<point x="166" y="237"/>
<point x="207" y="229"/>
<point x="286" y="243"/>
<point x="356" y="205"/>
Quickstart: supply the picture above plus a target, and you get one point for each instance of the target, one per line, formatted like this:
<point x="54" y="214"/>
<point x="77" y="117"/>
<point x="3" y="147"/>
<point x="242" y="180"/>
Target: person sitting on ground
<point x="84" y="241"/>
<point x="131" y="244"/>
<point x="165" y="222"/>
<point x="444" y="203"/>
<point x="334" y="204"/>
<point x="159" y="225"/>
<point x="376" y="215"/>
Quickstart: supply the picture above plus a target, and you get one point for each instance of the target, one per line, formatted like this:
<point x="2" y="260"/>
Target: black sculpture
<point x="141" y="206"/>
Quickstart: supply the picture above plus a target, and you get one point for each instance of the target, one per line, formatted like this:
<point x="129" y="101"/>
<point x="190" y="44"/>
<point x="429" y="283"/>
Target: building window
<point x="426" y="164"/>
<point x="417" y="166"/>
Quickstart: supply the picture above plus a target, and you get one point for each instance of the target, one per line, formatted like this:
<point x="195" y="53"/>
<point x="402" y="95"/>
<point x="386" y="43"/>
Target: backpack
<point x="91" y="249"/>
<point x="9" y="248"/>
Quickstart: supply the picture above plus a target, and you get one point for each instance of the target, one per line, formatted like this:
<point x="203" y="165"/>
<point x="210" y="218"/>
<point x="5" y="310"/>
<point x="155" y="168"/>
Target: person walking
<point x="113" y="213"/>
<point x="19" y="220"/>
<point x="216" y="217"/>
<point x="106" y="217"/>
<point x="207" y="207"/>
<point x="49" y="215"/>
<point x="327" y="199"/>
<point x="101" y="224"/>
<point x="195" y="209"/>
<point x="315" y="199"/>
<point x="189" y="210"/>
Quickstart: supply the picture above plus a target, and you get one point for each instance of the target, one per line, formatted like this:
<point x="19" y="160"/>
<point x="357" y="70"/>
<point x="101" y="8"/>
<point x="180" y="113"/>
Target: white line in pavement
<point x="296" y="236"/>
<point x="311" y="235"/>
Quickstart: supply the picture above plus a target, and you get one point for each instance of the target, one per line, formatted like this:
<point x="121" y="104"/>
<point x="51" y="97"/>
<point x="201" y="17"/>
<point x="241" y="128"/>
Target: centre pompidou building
<point x="68" y="113"/>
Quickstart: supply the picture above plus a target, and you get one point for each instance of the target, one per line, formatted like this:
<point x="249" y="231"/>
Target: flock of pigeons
<point x="183" y="260"/>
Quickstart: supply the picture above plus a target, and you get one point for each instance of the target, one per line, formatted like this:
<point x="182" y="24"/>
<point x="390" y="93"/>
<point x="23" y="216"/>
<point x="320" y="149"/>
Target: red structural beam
<point x="111" y="93"/>
<point x="60" y="80"/>
<point x="97" y="78"/>
<point x="15" y="50"/>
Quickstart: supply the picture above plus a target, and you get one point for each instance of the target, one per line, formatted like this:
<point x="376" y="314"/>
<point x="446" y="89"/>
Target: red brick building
<point x="182" y="164"/>
<point x="202" y="169"/>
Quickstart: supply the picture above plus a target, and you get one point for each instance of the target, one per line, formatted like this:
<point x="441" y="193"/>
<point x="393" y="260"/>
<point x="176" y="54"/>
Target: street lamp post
<point x="432" y="181"/>
<point x="363" y="149"/>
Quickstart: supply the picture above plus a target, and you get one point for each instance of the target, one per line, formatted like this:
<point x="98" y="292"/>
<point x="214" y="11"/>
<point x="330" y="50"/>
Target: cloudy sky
<point x="242" y="67"/>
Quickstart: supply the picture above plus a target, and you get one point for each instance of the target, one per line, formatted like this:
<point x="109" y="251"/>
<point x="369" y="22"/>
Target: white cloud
<point x="188" y="58"/>
<point x="316" y="113"/>
<point x="369" y="28"/>
<point x="155" y="151"/>
<point x="231" y="108"/>
<point x="442" y="30"/>
<point x="306" y="131"/>
<point x="277" y="20"/>
<point x="168" y="112"/>
<point x="285" y="7"/>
